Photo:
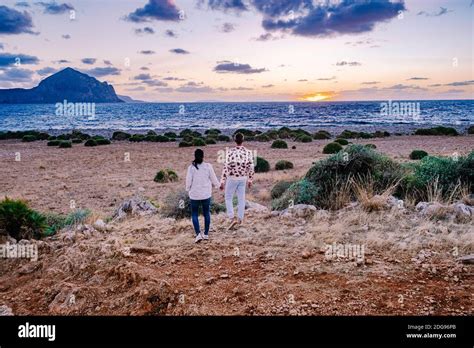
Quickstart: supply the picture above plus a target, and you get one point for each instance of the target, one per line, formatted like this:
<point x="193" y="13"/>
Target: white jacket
<point x="199" y="181"/>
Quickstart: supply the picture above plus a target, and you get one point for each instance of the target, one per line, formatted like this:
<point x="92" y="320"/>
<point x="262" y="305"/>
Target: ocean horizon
<point x="395" y="115"/>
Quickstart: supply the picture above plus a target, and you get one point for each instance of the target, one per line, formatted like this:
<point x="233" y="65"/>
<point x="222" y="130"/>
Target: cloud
<point x="267" y="37"/>
<point x="241" y="89"/>
<point x="8" y="59"/>
<point x="418" y="78"/>
<point x="321" y="19"/>
<point x="139" y="88"/>
<point x="170" y="33"/>
<point x="149" y="80"/>
<point x="66" y="36"/>
<point x="236" y="68"/>
<point x="179" y="51"/>
<point x="435" y="85"/>
<point x="268" y="86"/>
<point x="160" y="10"/>
<point x="22" y="4"/>
<point x="107" y="62"/>
<point x="227" y="27"/>
<point x="147" y="52"/>
<point x="16" y="75"/>
<point x="193" y="87"/>
<point x="172" y="78"/>
<point x="144" y="68"/>
<point x="61" y="61"/>
<point x="88" y="61"/>
<point x="55" y="8"/>
<point x="15" y="22"/>
<point x="226" y="5"/>
<point x="460" y="83"/>
<point x="1" y="46"/>
<point x="344" y="63"/>
<point x="442" y="11"/>
<point x="103" y="71"/>
<point x="164" y="89"/>
<point x="326" y="78"/>
<point x="145" y="30"/>
<point x="46" y="71"/>
<point x="302" y="80"/>
<point x="370" y="83"/>
<point x="401" y="87"/>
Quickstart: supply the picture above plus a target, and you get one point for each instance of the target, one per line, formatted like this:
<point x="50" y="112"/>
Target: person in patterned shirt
<point x="237" y="174"/>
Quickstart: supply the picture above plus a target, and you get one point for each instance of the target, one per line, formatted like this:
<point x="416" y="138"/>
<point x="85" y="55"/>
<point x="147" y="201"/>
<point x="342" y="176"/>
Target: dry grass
<point x="364" y="190"/>
<point x="435" y="192"/>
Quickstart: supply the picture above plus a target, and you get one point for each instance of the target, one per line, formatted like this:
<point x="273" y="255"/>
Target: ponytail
<point x="198" y="157"/>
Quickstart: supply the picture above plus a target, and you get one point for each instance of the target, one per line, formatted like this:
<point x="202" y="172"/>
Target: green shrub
<point x="79" y="135"/>
<point x="300" y="192"/>
<point x="347" y="134"/>
<point x="440" y="130"/>
<point x="341" y="141"/>
<point x="178" y="205"/>
<point x="121" y="136"/>
<point x="470" y="130"/>
<point x="284" y="133"/>
<point x="262" y="165"/>
<point x="64" y="137"/>
<point x="19" y="221"/>
<point x="262" y="138"/>
<point x="279" y="188"/>
<point x="245" y="132"/>
<point x="332" y="174"/>
<point x="76" y="141"/>
<point x="103" y="141"/>
<point x="322" y="135"/>
<point x="304" y="138"/>
<point x="151" y="132"/>
<point x="199" y="142"/>
<point x="210" y="141"/>
<point x="213" y="131"/>
<point x="52" y="137"/>
<point x="185" y="132"/>
<point x="332" y="148"/>
<point x="53" y="143"/>
<point x="90" y="142"/>
<point x="136" y="138"/>
<point x="28" y="138"/>
<point x="170" y="135"/>
<point x="165" y="175"/>
<point x="279" y="144"/>
<point x="185" y="144"/>
<point x="272" y="134"/>
<point x="283" y="164"/>
<point x="380" y="134"/>
<point x="65" y="144"/>
<point x="222" y="137"/>
<point x="76" y="217"/>
<point x="418" y="154"/>
<point x="371" y="146"/>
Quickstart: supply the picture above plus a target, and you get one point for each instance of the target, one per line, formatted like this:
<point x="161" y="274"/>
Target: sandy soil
<point x="271" y="265"/>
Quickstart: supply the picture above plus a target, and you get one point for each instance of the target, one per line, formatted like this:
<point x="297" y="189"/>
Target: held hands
<point x="249" y="184"/>
<point x="221" y="187"/>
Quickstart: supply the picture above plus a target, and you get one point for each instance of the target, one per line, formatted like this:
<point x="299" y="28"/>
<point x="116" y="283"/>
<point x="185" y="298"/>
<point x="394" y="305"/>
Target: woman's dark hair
<point x="239" y="138"/>
<point x="198" y="157"/>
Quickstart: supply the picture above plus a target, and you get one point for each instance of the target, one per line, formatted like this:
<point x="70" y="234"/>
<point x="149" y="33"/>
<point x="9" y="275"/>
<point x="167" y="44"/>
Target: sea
<point x="394" y="116"/>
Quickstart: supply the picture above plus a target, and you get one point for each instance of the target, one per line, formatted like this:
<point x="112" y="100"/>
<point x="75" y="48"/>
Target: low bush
<point x="440" y="130"/>
<point x="19" y="221"/>
<point x="213" y="131"/>
<point x="65" y="144"/>
<point x="322" y="135"/>
<point x="371" y="146"/>
<point x="304" y="138"/>
<point x="137" y="138"/>
<point x="103" y="141"/>
<point x="341" y="141"/>
<point x="470" y="130"/>
<point x="53" y="143"/>
<point x="210" y="141"/>
<point x="90" y="142"/>
<point x="262" y="138"/>
<point x="28" y="138"/>
<point x="222" y="137"/>
<point x="279" y="144"/>
<point x="262" y="165"/>
<point x="245" y="132"/>
<point x="199" y="142"/>
<point x="121" y="136"/>
<point x="300" y="192"/>
<point x="279" y="188"/>
<point x="166" y="175"/>
<point x="283" y="164"/>
<point x="185" y="144"/>
<point x="76" y="141"/>
<point x="170" y="135"/>
<point x="418" y="154"/>
<point x="332" y="148"/>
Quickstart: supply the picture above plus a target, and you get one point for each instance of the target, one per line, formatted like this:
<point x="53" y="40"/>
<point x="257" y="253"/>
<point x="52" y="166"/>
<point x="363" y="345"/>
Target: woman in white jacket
<point x="199" y="181"/>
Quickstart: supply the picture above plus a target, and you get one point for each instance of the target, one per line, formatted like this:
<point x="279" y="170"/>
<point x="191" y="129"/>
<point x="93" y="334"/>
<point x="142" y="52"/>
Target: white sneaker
<point x="198" y="238"/>
<point x="205" y="237"/>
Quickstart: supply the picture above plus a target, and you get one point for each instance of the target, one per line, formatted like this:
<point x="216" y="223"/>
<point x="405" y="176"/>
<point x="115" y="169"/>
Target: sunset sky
<point x="246" y="50"/>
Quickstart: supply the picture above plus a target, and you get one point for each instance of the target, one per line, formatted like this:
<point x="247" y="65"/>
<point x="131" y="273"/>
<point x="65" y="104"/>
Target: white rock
<point x="300" y="210"/>
<point x="252" y="206"/>
<point x="100" y="225"/>
<point x="462" y="210"/>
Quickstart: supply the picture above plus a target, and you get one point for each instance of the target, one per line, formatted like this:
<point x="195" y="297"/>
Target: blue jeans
<point x="232" y="186"/>
<point x="206" y="211"/>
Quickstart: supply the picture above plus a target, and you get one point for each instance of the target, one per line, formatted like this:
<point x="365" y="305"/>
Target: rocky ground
<point x="273" y="265"/>
<point x="276" y="265"/>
